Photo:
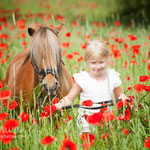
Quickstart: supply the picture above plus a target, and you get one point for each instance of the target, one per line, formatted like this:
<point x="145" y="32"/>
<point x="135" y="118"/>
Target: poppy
<point x="70" y="56"/>
<point x="50" y="109"/>
<point x="105" y="136"/>
<point x="80" y="59"/>
<point x="68" y="34"/>
<point x="87" y="103"/>
<point x="147" y="88"/>
<point x="127" y="115"/>
<point x="66" y="44"/>
<point x="136" y="46"/>
<point x="125" y="131"/>
<point x="119" y="105"/>
<point x="132" y="37"/>
<point x="88" y="136"/>
<point x="74" y="24"/>
<point x="108" y="116"/>
<point x="5" y="94"/>
<point x="45" y="114"/>
<point x="13" y="105"/>
<point x="10" y="124"/>
<point x="143" y="78"/>
<point x="23" y="35"/>
<point x="68" y="144"/>
<point x="94" y="118"/>
<point x="6" y="136"/>
<point x="147" y="144"/>
<point x="24" y="116"/>
<point x="3" y="116"/>
<point x="56" y="100"/>
<point x="47" y="140"/>
<point x="15" y="148"/>
<point x="117" y="23"/>
<point x="69" y="117"/>
<point x="138" y="87"/>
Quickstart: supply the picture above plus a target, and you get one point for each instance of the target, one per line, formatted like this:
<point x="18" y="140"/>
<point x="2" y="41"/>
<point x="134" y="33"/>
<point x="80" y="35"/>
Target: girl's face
<point x="97" y="66"/>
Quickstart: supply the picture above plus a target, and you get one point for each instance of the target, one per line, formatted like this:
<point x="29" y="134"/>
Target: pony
<point x="41" y="65"/>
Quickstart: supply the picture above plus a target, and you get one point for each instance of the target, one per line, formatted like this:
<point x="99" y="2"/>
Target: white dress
<point x="97" y="91"/>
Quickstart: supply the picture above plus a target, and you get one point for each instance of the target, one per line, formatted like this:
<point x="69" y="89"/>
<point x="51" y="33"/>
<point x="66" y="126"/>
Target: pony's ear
<point x="31" y="31"/>
<point x="58" y="28"/>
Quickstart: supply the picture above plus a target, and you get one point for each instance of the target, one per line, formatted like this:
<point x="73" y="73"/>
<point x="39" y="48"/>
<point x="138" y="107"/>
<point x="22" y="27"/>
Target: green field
<point x="83" y="21"/>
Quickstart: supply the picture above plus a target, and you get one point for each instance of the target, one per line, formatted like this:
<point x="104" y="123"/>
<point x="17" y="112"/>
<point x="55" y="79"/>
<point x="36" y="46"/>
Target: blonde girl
<point x="97" y="84"/>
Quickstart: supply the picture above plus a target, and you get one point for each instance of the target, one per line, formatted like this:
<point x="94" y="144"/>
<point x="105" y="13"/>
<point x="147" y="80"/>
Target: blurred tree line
<point x="138" y="10"/>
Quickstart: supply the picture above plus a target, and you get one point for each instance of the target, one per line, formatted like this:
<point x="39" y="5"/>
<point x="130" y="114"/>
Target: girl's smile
<point x="97" y="67"/>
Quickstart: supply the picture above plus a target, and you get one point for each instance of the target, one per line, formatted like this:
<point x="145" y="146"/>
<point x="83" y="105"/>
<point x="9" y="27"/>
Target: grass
<point x="28" y="135"/>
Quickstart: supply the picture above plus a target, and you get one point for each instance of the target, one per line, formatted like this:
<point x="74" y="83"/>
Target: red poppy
<point x="10" y="124"/>
<point x="2" y="85"/>
<point x="117" y="23"/>
<point x="45" y="114"/>
<point x="87" y="37"/>
<point x="147" y="143"/>
<point x="15" y="148"/>
<point x="108" y="116"/>
<point x="129" y="88"/>
<point x="23" y="35"/>
<point x="132" y="37"/>
<point x="6" y="136"/>
<point x="5" y="94"/>
<point x="20" y="22"/>
<point x="13" y="105"/>
<point x="125" y="131"/>
<point x="69" y="117"/>
<point x="87" y="103"/>
<point x="24" y="43"/>
<point x="50" y="109"/>
<point x="47" y="140"/>
<point x="128" y="78"/>
<point x="136" y="46"/>
<point x="68" y="34"/>
<point x="67" y="144"/>
<point x="80" y="59"/>
<point x="143" y="78"/>
<point x="88" y="136"/>
<point x="70" y="56"/>
<point x="88" y="144"/>
<point x="127" y="115"/>
<point x="94" y="118"/>
<point x="60" y="18"/>
<point x="105" y="136"/>
<point x="56" y="100"/>
<point x="24" y="116"/>
<point x="66" y="44"/>
<point x="138" y="87"/>
<point x="3" y="116"/>
<point x="75" y="24"/>
<point x="119" y="105"/>
<point x="148" y="67"/>
<point x="147" y="88"/>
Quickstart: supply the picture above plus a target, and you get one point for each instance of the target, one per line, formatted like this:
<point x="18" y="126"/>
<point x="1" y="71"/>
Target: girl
<point x="98" y="84"/>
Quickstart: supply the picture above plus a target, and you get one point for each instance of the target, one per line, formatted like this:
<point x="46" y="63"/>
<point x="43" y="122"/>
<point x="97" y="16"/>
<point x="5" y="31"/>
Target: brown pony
<point x="41" y="64"/>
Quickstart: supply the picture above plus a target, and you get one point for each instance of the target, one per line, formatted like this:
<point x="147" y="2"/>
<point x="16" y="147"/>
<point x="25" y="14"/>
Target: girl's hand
<point x="58" y="106"/>
<point x="123" y="97"/>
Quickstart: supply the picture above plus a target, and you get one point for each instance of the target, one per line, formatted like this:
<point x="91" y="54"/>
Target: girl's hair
<point x="96" y="48"/>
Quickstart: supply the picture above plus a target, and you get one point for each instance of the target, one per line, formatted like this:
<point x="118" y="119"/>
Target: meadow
<point x="127" y="128"/>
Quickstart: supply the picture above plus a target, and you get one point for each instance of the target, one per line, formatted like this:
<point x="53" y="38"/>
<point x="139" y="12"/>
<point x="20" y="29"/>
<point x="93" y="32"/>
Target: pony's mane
<point x="45" y="48"/>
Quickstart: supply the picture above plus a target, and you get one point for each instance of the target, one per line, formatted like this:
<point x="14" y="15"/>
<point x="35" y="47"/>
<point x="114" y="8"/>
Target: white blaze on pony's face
<point x="45" y="52"/>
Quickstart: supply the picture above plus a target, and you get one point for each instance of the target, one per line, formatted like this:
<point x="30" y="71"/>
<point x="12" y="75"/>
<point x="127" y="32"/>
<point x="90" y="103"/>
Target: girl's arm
<point x="70" y="97"/>
<point x="118" y="94"/>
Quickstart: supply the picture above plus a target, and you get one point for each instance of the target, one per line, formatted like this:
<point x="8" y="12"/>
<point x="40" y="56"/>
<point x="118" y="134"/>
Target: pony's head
<point x="45" y="55"/>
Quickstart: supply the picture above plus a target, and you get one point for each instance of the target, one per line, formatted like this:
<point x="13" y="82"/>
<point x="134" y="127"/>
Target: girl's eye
<point x="93" y="62"/>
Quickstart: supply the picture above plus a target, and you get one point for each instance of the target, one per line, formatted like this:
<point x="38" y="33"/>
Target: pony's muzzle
<point x="51" y="89"/>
